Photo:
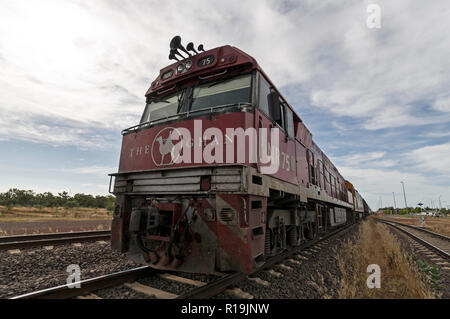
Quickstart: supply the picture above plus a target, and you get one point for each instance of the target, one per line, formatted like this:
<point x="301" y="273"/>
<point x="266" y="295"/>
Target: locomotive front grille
<point x="227" y="214"/>
<point x="182" y="180"/>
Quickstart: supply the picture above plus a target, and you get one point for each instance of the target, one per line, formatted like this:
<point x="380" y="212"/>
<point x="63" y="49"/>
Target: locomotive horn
<point x="200" y="48"/>
<point x="175" y="44"/>
<point x="173" y="57"/>
<point x="190" y="47"/>
<point x="175" y="51"/>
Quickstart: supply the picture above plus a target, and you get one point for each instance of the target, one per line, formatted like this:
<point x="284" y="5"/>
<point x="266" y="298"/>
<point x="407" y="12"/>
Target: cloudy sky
<point x="73" y="74"/>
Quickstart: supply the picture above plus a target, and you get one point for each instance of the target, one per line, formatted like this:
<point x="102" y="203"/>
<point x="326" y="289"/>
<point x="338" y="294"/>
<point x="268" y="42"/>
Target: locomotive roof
<point x="224" y="58"/>
<point x="220" y="58"/>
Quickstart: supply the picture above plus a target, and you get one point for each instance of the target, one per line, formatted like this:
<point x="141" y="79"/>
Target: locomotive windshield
<point x="204" y="96"/>
<point x="162" y="108"/>
<point x="229" y="91"/>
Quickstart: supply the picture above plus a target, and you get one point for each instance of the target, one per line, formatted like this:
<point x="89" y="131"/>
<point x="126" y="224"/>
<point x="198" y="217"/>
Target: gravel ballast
<point x="317" y="275"/>
<point x="38" y="268"/>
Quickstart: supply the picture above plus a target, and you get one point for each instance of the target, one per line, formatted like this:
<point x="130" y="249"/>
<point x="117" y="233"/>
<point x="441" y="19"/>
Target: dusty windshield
<point x="162" y="108"/>
<point x="222" y="92"/>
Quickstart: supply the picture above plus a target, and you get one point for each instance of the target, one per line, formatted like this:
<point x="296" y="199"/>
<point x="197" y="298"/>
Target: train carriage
<point x="197" y="189"/>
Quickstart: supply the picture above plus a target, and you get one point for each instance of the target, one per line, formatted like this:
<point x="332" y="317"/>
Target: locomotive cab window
<point x="280" y="121"/>
<point x="230" y="91"/>
<point x="160" y="108"/>
<point x="264" y="95"/>
<point x="289" y="121"/>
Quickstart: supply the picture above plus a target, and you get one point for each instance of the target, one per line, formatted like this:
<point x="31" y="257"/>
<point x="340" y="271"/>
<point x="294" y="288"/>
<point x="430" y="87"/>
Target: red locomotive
<point x="190" y="197"/>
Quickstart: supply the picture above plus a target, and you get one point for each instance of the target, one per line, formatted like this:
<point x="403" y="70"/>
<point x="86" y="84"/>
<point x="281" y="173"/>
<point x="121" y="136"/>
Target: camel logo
<point x="162" y="146"/>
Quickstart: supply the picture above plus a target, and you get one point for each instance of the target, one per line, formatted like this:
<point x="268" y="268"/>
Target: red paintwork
<point x="225" y="57"/>
<point x="239" y="243"/>
<point x="140" y="151"/>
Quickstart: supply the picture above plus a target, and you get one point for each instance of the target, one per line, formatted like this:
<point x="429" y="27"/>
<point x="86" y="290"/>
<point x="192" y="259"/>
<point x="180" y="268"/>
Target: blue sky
<point x="74" y="74"/>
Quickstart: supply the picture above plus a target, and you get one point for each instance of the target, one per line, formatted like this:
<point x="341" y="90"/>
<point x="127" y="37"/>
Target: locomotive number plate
<point x="206" y="60"/>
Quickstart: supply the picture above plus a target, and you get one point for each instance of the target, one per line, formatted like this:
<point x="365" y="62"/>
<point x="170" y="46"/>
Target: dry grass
<point x="439" y="225"/>
<point x="375" y="244"/>
<point x="20" y="214"/>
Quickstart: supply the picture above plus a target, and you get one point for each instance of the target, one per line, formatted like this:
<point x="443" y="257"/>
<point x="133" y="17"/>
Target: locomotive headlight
<point x="180" y="68"/>
<point x="188" y="64"/>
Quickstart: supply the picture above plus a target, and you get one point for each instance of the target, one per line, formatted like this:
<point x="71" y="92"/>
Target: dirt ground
<point x="52" y="226"/>
<point x="51" y="213"/>
<point x="34" y="220"/>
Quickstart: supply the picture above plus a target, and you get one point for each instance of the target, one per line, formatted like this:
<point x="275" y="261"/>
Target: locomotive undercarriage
<point x="291" y="223"/>
<point x="208" y="231"/>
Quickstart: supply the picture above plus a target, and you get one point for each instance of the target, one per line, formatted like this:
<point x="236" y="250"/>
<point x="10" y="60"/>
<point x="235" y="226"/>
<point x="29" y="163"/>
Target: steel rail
<point x="420" y="240"/>
<point x="214" y="288"/>
<point x="14" y="242"/>
<point x="419" y="228"/>
<point x="207" y="291"/>
<point x="88" y="285"/>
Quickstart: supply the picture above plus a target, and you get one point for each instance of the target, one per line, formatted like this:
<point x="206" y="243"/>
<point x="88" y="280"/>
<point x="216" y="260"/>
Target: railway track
<point x="438" y="243"/>
<point x="24" y="241"/>
<point x="200" y="290"/>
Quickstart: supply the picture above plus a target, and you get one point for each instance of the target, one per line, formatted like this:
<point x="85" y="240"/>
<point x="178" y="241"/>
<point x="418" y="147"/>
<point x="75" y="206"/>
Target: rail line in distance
<point x="436" y="242"/>
<point x="24" y="241"/>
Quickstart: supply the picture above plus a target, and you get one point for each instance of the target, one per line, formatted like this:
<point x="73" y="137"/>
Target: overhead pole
<point x="395" y="204"/>
<point x="404" y="196"/>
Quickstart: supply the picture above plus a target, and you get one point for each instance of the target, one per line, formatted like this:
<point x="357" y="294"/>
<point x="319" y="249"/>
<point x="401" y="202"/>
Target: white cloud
<point x="95" y="170"/>
<point x="374" y="183"/>
<point x="436" y="134"/>
<point x="434" y="158"/>
<point x="90" y="63"/>
<point x="358" y="159"/>
<point x="375" y="176"/>
<point x="442" y="105"/>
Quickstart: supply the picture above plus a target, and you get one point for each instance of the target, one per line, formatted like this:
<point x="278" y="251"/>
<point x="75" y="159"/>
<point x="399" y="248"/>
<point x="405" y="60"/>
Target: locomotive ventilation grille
<point x="227" y="214"/>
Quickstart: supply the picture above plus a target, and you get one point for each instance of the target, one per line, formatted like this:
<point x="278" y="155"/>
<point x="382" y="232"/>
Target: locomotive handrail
<point x="110" y="182"/>
<point x="212" y="75"/>
<point x="169" y="89"/>
<point x="240" y="105"/>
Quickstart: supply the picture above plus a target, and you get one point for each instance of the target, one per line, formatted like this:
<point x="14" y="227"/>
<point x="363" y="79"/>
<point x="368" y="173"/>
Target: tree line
<point x="414" y="210"/>
<point x="20" y="197"/>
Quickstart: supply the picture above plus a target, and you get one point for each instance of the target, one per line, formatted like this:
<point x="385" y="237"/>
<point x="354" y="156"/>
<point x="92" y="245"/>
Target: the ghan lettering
<point x="269" y="152"/>
<point x="207" y="146"/>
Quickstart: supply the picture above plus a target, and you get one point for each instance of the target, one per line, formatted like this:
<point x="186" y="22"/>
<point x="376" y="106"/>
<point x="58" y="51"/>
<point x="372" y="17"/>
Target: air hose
<point x="175" y="231"/>
<point x="141" y="244"/>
